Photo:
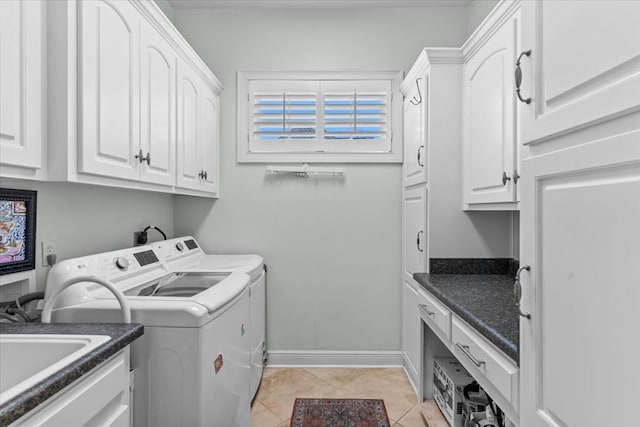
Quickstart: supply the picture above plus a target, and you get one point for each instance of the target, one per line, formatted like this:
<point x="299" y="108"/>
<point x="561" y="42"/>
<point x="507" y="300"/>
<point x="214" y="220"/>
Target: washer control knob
<point x="121" y="263"/>
<point x="180" y="246"/>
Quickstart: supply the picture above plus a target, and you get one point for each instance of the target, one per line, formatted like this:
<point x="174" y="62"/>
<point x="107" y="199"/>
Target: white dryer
<point x="191" y="366"/>
<point x="185" y="254"/>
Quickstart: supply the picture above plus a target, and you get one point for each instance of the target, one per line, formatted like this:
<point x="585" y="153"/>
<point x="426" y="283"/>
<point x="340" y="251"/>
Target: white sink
<point x="27" y="359"/>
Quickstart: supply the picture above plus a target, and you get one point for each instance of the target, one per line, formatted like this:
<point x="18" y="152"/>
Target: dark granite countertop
<point x="121" y="335"/>
<point x="484" y="301"/>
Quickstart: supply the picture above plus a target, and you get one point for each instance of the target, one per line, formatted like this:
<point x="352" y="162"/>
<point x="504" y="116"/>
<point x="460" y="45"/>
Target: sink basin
<point x="29" y="359"/>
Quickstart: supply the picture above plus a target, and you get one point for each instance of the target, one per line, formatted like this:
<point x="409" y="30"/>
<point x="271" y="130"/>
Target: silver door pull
<point x="517" y="290"/>
<point x="426" y="310"/>
<point x="465" y="350"/>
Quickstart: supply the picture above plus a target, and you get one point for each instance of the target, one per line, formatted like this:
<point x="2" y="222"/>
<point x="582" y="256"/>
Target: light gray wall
<point x="477" y="11"/>
<point x="454" y="233"/>
<point x="85" y="219"/>
<point x="333" y="248"/>
<point x="166" y="7"/>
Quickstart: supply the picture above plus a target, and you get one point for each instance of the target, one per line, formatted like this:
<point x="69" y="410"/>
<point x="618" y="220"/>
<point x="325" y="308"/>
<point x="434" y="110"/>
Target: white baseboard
<point x="309" y="358"/>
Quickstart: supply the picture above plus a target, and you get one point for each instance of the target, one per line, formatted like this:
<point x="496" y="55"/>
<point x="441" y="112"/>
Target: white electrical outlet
<point x="48" y="248"/>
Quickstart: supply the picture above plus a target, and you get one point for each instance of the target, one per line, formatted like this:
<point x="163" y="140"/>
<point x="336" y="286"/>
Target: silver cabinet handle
<point x="141" y="158"/>
<point x="516" y="177"/>
<point x="465" y="350"/>
<point x="418" y="240"/>
<point x="420" y="156"/>
<point x="505" y="178"/>
<point x="426" y="310"/>
<point x="518" y="77"/>
<point x="517" y="290"/>
<point x="203" y="174"/>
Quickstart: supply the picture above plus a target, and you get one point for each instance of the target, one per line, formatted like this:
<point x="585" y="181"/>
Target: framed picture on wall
<point x="17" y="230"/>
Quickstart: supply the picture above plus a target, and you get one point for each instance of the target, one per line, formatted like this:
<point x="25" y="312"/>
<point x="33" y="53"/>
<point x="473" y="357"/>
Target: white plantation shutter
<point x="321" y="116"/>
<point x="284" y="115"/>
<point x="356" y="116"/>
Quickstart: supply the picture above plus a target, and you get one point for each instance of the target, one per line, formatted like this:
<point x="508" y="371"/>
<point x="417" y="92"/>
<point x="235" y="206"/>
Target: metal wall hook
<point x="417" y="101"/>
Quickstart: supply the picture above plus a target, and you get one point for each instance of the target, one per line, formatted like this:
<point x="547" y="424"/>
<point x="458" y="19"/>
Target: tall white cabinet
<point x="22" y="89"/>
<point x="431" y="93"/>
<point x="580" y="213"/>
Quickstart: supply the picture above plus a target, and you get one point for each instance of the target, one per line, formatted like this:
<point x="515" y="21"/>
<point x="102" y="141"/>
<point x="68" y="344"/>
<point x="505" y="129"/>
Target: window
<point x="319" y="117"/>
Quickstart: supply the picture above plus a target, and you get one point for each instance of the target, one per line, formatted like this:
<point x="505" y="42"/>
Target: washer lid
<point x="246" y="263"/>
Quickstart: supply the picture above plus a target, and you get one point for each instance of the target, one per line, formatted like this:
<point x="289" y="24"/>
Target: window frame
<point x="244" y="155"/>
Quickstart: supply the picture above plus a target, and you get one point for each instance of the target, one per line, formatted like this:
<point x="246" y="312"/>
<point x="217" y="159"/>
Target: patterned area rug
<point x="339" y="413"/>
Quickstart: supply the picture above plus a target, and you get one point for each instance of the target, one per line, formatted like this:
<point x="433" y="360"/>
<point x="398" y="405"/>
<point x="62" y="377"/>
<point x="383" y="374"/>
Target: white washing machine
<point x="185" y="254"/>
<point x="191" y="366"/>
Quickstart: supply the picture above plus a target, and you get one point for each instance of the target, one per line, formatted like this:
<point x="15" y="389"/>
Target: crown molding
<point x="191" y="4"/>
<point x="427" y="57"/>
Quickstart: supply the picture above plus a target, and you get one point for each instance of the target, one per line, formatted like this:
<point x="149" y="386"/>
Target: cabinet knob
<point x="516" y="177"/>
<point x="420" y="156"/>
<point x="202" y="174"/>
<point x="418" y="241"/>
<point x="518" y="77"/>
<point x="505" y="178"/>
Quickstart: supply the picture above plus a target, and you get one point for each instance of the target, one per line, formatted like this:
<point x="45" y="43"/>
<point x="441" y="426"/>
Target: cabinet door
<point x="580" y="234"/>
<point x="411" y="329"/>
<point x="157" y="109"/>
<point x="108" y="110"/>
<point x="209" y="140"/>
<point x="584" y="64"/>
<point x="490" y="131"/>
<point x="415" y="134"/>
<point x="21" y="99"/>
<point x="415" y="231"/>
<point x="188" y="163"/>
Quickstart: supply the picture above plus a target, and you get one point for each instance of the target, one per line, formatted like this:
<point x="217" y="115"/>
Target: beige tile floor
<point x="280" y="386"/>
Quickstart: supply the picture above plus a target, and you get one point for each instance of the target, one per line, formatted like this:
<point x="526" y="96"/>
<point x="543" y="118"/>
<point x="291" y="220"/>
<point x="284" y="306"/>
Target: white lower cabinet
<point x="436" y="315"/>
<point x="411" y="332"/>
<point x="497" y="374"/>
<point x="100" y="398"/>
<point x="22" y="89"/>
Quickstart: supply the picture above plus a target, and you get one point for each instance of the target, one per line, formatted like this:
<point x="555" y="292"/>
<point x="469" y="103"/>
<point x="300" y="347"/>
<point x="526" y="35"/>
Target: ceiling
<point x="315" y="3"/>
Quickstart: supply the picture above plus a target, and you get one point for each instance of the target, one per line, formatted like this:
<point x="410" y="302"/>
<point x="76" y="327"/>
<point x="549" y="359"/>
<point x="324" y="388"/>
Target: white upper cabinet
<point x="109" y="88"/>
<point x="21" y="88"/>
<point x="138" y="115"/>
<point x="415" y="132"/>
<point x="189" y="104"/>
<point x="490" y="121"/>
<point x="584" y="64"/>
<point x="197" y="141"/>
<point x="157" y="108"/>
<point x="209" y="140"/>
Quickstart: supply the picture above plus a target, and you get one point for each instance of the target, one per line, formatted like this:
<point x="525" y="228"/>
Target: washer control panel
<point x="122" y="263"/>
<point x="146" y="258"/>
